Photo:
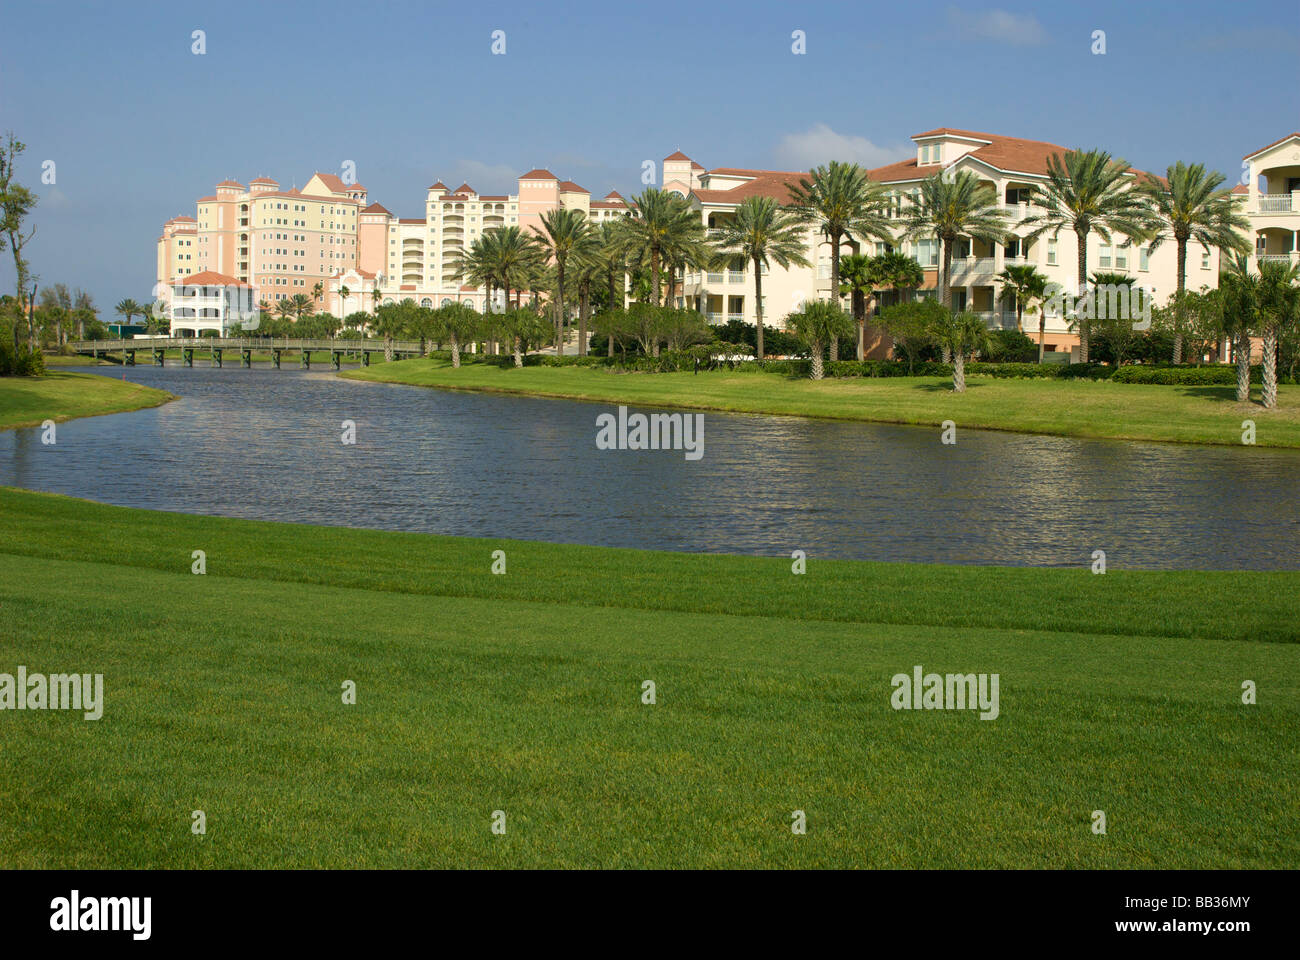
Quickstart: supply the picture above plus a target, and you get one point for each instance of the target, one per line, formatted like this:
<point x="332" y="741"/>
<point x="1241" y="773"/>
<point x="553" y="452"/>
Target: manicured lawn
<point x="62" y="395"/>
<point x="521" y="692"/>
<point x="1064" y="408"/>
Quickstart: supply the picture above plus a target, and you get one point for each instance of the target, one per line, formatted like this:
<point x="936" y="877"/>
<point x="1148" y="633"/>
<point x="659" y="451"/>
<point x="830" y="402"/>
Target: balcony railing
<point x="973" y="266"/>
<point x="715" y="278"/>
<point x="1276" y="203"/>
<point x="998" y="319"/>
<point x="1277" y="257"/>
<point x="735" y="277"/>
<point x="1014" y="212"/>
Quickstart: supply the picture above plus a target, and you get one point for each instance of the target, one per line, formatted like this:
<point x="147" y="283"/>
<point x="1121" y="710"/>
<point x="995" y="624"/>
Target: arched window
<point x="426" y="302"/>
<point x="446" y="301"/>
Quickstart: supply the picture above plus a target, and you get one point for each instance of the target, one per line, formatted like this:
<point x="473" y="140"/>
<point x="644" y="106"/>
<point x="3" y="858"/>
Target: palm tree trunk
<point x="959" y="372"/>
<point x="835" y="290"/>
<point x="654" y="277"/>
<point x="1083" y="289"/>
<point x="758" y="306"/>
<point x="1243" y="367"/>
<point x="1178" y="300"/>
<point x="945" y="273"/>
<point x="583" y="309"/>
<point x="519" y="353"/>
<point x="455" y="352"/>
<point x="1042" y="328"/>
<point x="1270" y="365"/>
<point x="559" y="316"/>
<point x="818" y="370"/>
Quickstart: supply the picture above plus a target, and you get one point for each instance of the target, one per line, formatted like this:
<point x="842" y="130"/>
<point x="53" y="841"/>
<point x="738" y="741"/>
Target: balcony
<point x="735" y="277"/>
<point x="968" y="269"/>
<point x="1277" y="203"/>
<point x="1014" y="212"/>
<point x="714" y="278"/>
<point x="997" y="319"/>
<point x="1277" y="258"/>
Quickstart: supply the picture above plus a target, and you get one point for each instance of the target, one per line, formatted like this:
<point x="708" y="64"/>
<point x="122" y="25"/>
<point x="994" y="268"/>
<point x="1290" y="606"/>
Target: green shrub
<point x="21" y="362"/>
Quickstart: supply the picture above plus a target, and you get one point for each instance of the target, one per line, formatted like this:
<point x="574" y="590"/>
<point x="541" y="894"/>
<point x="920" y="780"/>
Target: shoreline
<point x="73" y="396"/>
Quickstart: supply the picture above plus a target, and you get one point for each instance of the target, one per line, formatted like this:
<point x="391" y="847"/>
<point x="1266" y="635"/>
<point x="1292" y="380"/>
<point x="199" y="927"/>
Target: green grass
<point x="1206" y="414"/>
<point x="62" y="395"/>
<point x="521" y="693"/>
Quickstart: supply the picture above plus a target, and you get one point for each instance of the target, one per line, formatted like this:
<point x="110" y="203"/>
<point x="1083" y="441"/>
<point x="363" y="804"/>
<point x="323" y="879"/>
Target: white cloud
<point x="1020" y="30"/>
<point x="820" y="144"/>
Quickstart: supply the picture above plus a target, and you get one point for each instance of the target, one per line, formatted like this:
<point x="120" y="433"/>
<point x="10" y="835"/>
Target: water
<point x="265" y="444"/>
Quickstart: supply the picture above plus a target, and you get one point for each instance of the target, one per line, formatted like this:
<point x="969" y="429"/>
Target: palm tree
<point x="588" y="268"/>
<point x="343" y="298"/>
<point x="459" y="323"/>
<point x="128" y="308"/>
<point x="1191" y="205"/>
<point x="818" y="325"/>
<point x="1087" y="191"/>
<point x="317" y="291"/>
<point x="1279" y="303"/>
<point x="761" y="231"/>
<point x="950" y="205"/>
<point x="861" y="276"/>
<point x="1028" y="286"/>
<point x="301" y="304"/>
<point x="961" y="334"/>
<point x="613" y="261"/>
<point x="662" y="226"/>
<point x="1241" y="297"/>
<point x="562" y="233"/>
<point x="842" y="202"/>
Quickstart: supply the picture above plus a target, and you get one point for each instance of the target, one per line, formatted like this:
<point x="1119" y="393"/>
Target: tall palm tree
<point x="317" y="291"/>
<point x="343" y="299"/>
<point x="1089" y="192"/>
<point x="301" y="305"/>
<point x="949" y="206"/>
<point x="662" y="226"/>
<point x="842" y="202"/>
<point x="761" y="231"/>
<point x="562" y="233"/>
<point x="1029" y="287"/>
<point x="1191" y="205"/>
<point x="588" y="269"/>
<point x="861" y="276"/>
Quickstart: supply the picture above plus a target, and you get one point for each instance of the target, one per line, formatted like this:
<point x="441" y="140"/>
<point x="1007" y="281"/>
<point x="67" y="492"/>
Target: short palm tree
<point x="459" y="323"/>
<point x="562" y="233"/>
<point x="952" y="205"/>
<point x="662" y="227"/>
<point x="1087" y="192"/>
<point x="1241" y="298"/>
<point x="1192" y="205"/>
<point x="762" y="231"/>
<point x="301" y="305"/>
<point x="842" y="202"/>
<point x="343" y="299"/>
<point x="962" y="335"/>
<point x="1279" y="307"/>
<point x="861" y="276"/>
<point x="1029" y="288"/>
<point x="818" y="325"/>
<point x="317" y="291"/>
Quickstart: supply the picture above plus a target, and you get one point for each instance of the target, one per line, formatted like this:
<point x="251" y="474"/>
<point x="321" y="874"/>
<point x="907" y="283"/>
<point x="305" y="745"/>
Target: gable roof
<point x="676" y="156"/>
<point x="568" y="186"/>
<point x="1271" y="145"/>
<point x="539" y="174"/>
<point x="464" y="188"/>
<point x="209" y="278"/>
<point x="378" y="208"/>
<point x="762" y="183"/>
<point x="439" y="185"/>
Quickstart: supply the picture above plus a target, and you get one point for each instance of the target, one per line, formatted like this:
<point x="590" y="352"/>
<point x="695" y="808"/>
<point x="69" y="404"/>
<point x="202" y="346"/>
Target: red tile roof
<point x="410" y="220"/>
<point x="231" y="183"/>
<point x="332" y="182"/>
<point x="263" y="180"/>
<point x="676" y="156"/>
<point x="209" y="278"/>
<point x="1241" y="187"/>
<point x="539" y="174"/>
<point x="439" y="185"/>
<point x="568" y="186"/>
<point x="613" y="195"/>
<point x="464" y="188"/>
<point x="1272" y="145"/>
<point x="486" y="197"/>
<point x="378" y="208"/>
<point x="764" y="183"/>
<point x="468" y="286"/>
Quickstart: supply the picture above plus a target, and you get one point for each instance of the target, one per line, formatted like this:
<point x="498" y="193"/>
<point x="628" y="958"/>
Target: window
<point x="1121" y="257"/>
<point x="1205" y="258"/>
<point x="1051" y="252"/>
<point x="927" y="253"/>
<point x="1144" y="259"/>
<point x="1103" y="257"/>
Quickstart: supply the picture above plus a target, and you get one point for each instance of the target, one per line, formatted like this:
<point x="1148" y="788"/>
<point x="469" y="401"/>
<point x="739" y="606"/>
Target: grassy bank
<point x="522" y="692"/>
<point x="1200" y="414"/>
<point x="62" y="395"/>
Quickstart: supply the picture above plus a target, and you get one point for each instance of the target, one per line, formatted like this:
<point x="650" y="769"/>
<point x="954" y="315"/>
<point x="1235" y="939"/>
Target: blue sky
<point x="139" y="127"/>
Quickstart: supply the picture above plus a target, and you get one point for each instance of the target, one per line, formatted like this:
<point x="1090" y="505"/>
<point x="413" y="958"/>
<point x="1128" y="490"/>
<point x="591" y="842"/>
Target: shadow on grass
<point x="1220" y="394"/>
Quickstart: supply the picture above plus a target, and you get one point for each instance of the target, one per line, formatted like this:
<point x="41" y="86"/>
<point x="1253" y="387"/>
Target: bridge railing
<point x="241" y="343"/>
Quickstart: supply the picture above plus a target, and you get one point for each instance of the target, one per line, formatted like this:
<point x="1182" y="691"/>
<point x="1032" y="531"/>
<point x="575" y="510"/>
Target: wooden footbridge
<point x="214" y="349"/>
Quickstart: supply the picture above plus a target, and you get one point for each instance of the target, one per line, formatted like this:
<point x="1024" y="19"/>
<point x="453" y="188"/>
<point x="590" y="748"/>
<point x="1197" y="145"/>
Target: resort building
<point x="210" y="301"/>
<point x="1010" y="165"/>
